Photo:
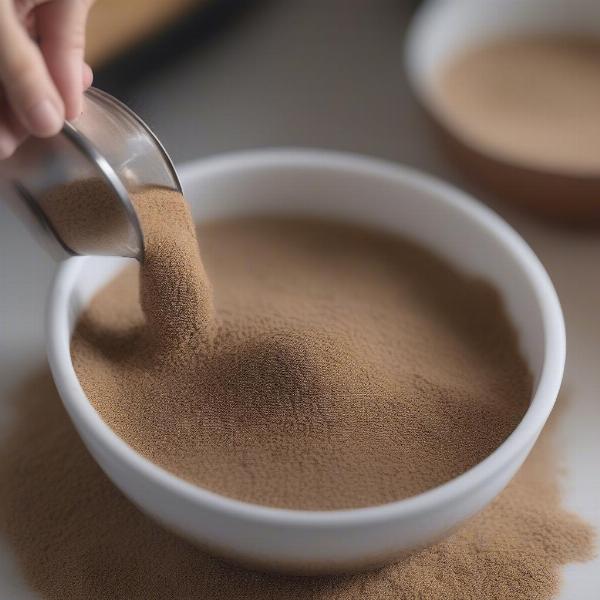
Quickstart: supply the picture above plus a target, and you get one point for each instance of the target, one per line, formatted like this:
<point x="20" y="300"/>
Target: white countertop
<point x="325" y="74"/>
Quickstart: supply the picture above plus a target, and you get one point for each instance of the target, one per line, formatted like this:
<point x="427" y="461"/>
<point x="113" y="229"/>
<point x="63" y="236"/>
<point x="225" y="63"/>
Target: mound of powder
<point x="325" y="366"/>
<point x="533" y="99"/>
<point x="75" y="536"/>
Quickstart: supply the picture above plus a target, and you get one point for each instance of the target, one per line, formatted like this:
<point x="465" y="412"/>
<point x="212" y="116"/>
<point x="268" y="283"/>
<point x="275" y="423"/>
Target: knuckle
<point x="23" y="71"/>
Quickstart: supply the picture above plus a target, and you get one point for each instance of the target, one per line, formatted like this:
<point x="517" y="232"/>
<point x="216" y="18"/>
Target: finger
<point x="8" y="142"/>
<point x="11" y="131"/>
<point x="61" y="30"/>
<point x="24" y="8"/>
<point x="87" y="76"/>
<point x="27" y="84"/>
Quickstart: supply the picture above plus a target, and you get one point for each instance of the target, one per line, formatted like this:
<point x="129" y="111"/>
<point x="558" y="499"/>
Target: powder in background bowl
<point x="533" y="100"/>
<point x="326" y="366"/>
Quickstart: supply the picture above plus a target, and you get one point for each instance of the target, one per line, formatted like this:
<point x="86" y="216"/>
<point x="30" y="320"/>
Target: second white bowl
<point x="442" y="29"/>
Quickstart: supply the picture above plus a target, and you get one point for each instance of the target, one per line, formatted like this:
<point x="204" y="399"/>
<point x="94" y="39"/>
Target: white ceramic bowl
<point x="442" y="29"/>
<point x="350" y="188"/>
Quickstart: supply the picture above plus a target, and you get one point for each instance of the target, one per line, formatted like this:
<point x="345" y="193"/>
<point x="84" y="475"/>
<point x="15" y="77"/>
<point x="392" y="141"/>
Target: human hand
<point x="41" y="83"/>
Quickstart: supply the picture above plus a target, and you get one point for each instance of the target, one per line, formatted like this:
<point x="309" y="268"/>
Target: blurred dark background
<point x="217" y="75"/>
<point x="153" y="35"/>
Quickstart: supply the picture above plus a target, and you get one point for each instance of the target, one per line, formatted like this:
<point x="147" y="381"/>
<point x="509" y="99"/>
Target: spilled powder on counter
<point x="75" y="536"/>
<point x="326" y="366"/>
<point x="533" y="99"/>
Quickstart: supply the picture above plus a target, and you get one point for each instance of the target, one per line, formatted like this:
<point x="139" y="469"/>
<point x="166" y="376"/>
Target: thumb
<point x="27" y="84"/>
<point x="61" y="28"/>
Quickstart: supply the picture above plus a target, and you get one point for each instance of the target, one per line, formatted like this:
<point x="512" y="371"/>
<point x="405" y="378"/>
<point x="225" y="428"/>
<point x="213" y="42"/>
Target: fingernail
<point x="74" y="112"/>
<point x="43" y="118"/>
<point x="87" y="76"/>
<point x="7" y="146"/>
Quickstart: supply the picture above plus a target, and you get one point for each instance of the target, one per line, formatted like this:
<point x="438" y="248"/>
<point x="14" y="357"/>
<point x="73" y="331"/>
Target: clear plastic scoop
<point x="108" y="145"/>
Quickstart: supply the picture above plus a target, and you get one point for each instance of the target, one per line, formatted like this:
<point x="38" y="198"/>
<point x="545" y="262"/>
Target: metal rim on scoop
<point x="83" y="144"/>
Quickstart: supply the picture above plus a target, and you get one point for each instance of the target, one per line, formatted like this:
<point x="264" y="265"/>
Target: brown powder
<point x="75" y="536"/>
<point x="86" y="216"/>
<point x="176" y="298"/>
<point x="330" y="367"/>
<point x="534" y="100"/>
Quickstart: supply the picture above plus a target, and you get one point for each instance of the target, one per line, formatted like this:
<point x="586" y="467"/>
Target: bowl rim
<point x="544" y="396"/>
<point x="416" y="36"/>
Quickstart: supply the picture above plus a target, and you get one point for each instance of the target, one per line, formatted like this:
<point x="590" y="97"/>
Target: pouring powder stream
<point x="326" y="366"/>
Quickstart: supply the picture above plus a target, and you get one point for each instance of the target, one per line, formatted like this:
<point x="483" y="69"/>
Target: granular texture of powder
<point x="76" y="537"/>
<point x="331" y="366"/>
<point x="176" y="295"/>
<point x="86" y="216"/>
<point x="531" y="99"/>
